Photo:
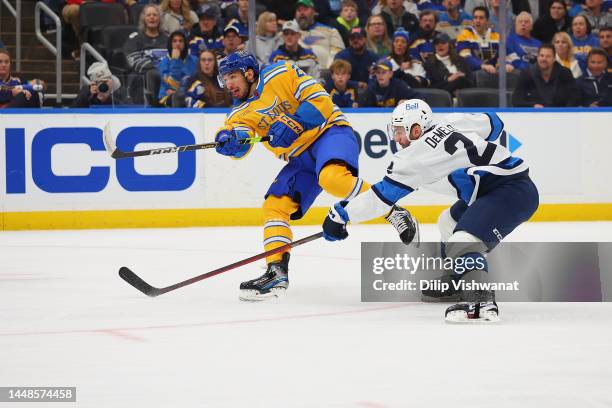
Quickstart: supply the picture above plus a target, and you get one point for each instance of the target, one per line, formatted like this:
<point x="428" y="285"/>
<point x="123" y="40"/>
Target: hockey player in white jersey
<point x="462" y="154"/>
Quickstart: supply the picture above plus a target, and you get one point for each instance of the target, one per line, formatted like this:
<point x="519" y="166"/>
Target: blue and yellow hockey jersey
<point x="283" y="88"/>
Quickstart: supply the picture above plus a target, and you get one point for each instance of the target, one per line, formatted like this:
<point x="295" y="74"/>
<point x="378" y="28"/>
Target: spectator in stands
<point x="175" y="67"/>
<point x="177" y="16"/>
<point x="386" y="91"/>
<point x="605" y="42"/>
<point x="145" y="48"/>
<point x="595" y="85"/>
<point x="515" y="6"/>
<point x="422" y="42"/>
<point x="360" y="58"/>
<point x="2" y="45"/>
<point x="582" y="39"/>
<point x="404" y="67"/>
<point x="206" y="34"/>
<point x="494" y="22"/>
<point x="233" y="39"/>
<point x="596" y="16"/>
<point x="521" y="47"/>
<point x="377" y="6"/>
<point x="377" y="39"/>
<point x="555" y="20"/>
<point x="564" y="53"/>
<point x="70" y="14"/>
<point x="396" y="17"/>
<point x="323" y="40"/>
<point x="241" y="15"/>
<point x="478" y="43"/>
<point x="267" y="37"/>
<point x="343" y="93"/>
<point x="453" y="19"/>
<point x="13" y="92"/>
<point x="292" y="51"/>
<point x="103" y="90"/>
<point x="347" y="20"/>
<point x="202" y="89"/>
<point x="329" y="10"/>
<point x="447" y="70"/>
<point x="546" y="83"/>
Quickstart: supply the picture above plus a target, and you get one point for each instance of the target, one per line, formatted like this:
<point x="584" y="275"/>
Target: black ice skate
<point x="444" y="292"/>
<point x="476" y="312"/>
<point x="271" y="284"/>
<point x="405" y="224"/>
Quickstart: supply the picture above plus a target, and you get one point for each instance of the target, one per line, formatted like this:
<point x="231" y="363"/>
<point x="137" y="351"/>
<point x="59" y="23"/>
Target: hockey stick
<point x="115" y="153"/>
<point x="134" y="280"/>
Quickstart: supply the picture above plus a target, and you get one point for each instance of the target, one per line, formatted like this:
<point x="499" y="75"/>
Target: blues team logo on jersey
<point x="270" y="113"/>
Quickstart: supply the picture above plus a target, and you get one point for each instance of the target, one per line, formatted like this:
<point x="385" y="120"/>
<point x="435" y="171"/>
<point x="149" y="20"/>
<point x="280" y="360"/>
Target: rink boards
<point x="55" y="172"/>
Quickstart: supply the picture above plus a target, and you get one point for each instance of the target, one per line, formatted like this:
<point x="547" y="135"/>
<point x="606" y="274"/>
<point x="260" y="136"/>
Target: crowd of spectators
<point x="366" y="53"/>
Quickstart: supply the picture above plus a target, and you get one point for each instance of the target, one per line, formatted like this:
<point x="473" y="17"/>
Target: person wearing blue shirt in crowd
<point x="384" y="90"/>
<point x="13" y="92"/>
<point x="358" y="56"/>
<point x="454" y="19"/>
<point x="522" y="48"/>
<point x="206" y="34"/>
<point x="595" y="84"/>
<point x="174" y="68"/>
<point x="342" y="92"/>
<point x="1" y="44"/>
<point x="583" y="39"/>
<point x="291" y="50"/>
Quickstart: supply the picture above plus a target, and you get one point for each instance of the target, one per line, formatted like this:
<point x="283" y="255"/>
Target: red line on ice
<point x="122" y="330"/>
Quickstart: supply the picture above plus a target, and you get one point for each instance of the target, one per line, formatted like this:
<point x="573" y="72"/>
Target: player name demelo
<point x="404" y="284"/>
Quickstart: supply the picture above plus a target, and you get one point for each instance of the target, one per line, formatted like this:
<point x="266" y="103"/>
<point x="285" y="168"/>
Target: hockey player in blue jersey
<point x="464" y="155"/>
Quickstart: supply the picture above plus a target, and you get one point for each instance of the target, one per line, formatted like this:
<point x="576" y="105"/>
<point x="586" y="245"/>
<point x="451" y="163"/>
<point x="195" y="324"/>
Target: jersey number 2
<point x="450" y="145"/>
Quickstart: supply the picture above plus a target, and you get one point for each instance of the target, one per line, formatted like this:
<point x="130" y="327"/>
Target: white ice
<point x="67" y="319"/>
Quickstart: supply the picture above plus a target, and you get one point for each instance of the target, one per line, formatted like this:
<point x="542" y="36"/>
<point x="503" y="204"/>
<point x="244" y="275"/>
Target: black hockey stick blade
<point x="137" y="282"/>
<point x="116" y="153"/>
<point x="134" y="280"/>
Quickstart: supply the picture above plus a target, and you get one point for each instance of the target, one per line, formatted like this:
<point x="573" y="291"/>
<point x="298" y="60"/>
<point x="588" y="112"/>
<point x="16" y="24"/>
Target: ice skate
<point x="271" y="284"/>
<point x="475" y="312"/>
<point x="437" y="295"/>
<point x="405" y="224"/>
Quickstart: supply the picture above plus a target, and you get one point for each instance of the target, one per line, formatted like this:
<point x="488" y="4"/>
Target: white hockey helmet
<point x="409" y="113"/>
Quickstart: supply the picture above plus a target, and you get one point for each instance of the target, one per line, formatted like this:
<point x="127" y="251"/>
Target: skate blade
<point x="249" y="295"/>
<point x="461" y="317"/>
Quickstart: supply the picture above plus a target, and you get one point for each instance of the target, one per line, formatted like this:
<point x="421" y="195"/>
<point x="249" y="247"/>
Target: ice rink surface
<point x="69" y="320"/>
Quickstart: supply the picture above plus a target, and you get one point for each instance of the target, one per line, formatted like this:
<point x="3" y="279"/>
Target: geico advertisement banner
<point x="58" y="161"/>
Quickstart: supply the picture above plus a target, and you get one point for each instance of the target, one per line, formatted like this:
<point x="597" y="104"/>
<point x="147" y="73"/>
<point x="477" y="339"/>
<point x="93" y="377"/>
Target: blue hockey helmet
<point x="237" y="61"/>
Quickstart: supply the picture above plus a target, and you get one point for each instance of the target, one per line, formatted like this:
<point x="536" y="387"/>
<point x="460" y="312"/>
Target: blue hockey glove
<point x="229" y="143"/>
<point x="334" y="226"/>
<point x="284" y="131"/>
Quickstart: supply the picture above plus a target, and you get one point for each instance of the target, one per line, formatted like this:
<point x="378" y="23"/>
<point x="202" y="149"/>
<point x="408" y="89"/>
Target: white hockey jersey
<point x="461" y="155"/>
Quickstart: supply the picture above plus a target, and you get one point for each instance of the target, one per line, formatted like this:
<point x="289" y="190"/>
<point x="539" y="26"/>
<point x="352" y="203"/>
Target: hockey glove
<point x="229" y="143"/>
<point x="285" y="131"/>
<point x="334" y="226"/>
